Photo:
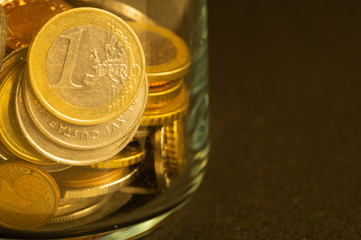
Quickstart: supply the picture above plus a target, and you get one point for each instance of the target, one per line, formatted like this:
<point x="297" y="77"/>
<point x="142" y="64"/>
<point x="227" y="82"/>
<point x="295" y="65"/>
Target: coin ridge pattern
<point x="20" y="148"/>
<point x="85" y="136"/>
<point x="55" y="151"/>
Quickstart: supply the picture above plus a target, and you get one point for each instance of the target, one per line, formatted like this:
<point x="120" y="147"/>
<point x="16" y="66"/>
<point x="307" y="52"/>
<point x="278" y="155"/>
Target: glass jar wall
<point x="103" y="115"/>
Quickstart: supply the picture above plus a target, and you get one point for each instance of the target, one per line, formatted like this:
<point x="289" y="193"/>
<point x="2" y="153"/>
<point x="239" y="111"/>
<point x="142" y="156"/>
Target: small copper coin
<point x="26" y="17"/>
<point x="29" y="196"/>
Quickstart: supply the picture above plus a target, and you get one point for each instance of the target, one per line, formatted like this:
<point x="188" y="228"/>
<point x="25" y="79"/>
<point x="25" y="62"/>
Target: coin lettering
<point x="93" y="63"/>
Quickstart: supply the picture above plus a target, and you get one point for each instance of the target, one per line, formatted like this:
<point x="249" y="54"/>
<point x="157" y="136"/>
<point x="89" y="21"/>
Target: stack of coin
<point x="82" y="115"/>
<point x="91" y="114"/>
<point x="167" y="62"/>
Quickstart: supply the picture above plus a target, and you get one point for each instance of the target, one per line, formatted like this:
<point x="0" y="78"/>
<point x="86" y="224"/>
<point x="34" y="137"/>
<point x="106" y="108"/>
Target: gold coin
<point x="161" y="164"/>
<point x="167" y="55"/>
<point x="29" y="196"/>
<point x="10" y="133"/>
<point x="130" y="155"/>
<point x="175" y="147"/>
<point x="86" y="66"/>
<point x="160" y="96"/>
<point x="26" y="17"/>
<point x="174" y="110"/>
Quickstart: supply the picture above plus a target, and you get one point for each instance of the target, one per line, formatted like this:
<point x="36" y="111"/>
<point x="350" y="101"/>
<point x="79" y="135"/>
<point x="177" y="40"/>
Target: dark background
<point x="285" y="161"/>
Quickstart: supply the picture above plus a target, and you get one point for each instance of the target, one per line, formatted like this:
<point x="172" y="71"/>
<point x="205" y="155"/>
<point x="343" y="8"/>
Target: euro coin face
<point x="167" y="55"/>
<point x="86" y="66"/>
<point x="29" y="196"/>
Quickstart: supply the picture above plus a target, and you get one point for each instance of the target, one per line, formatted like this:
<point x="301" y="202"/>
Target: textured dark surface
<point x="285" y="124"/>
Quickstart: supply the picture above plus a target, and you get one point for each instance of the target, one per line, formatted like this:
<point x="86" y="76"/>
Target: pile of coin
<point x="91" y="114"/>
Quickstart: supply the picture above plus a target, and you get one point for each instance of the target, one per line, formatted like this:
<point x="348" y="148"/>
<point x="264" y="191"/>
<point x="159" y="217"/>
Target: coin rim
<point x="22" y="151"/>
<point x="26" y="123"/>
<point x="176" y="68"/>
<point x="37" y="65"/>
<point x="52" y="183"/>
<point x="133" y="120"/>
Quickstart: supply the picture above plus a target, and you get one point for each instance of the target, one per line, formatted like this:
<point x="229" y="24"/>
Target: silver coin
<point x="79" y="204"/>
<point x="116" y="7"/>
<point x="14" y="57"/>
<point x="125" y="11"/>
<point x="70" y="201"/>
<point x="3" y="32"/>
<point x="85" y="136"/>
<point x="80" y="213"/>
<point x="57" y="152"/>
<point x="87" y="192"/>
<point x="142" y="132"/>
<point x="109" y="204"/>
<point x="55" y="167"/>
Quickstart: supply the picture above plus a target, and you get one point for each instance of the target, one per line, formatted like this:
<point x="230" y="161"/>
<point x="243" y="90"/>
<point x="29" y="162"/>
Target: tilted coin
<point x="85" y="136"/>
<point x="3" y="33"/>
<point x="160" y="96"/>
<point x="86" y="66"/>
<point x="29" y="196"/>
<point x="14" y="57"/>
<point x="125" y="11"/>
<point x="103" y="188"/>
<point x="133" y="153"/>
<point x="10" y="134"/>
<point x="174" y="110"/>
<point x="57" y="152"/>
<point x="175" y="147"/>
<point x="161" y="164"/>
<point x="167" y="55"/>
<point x="26" y="17"/>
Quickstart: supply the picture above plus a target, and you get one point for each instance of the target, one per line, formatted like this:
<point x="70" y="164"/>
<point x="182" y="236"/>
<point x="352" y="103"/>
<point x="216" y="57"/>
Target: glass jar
<point x="103" y="115"/>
